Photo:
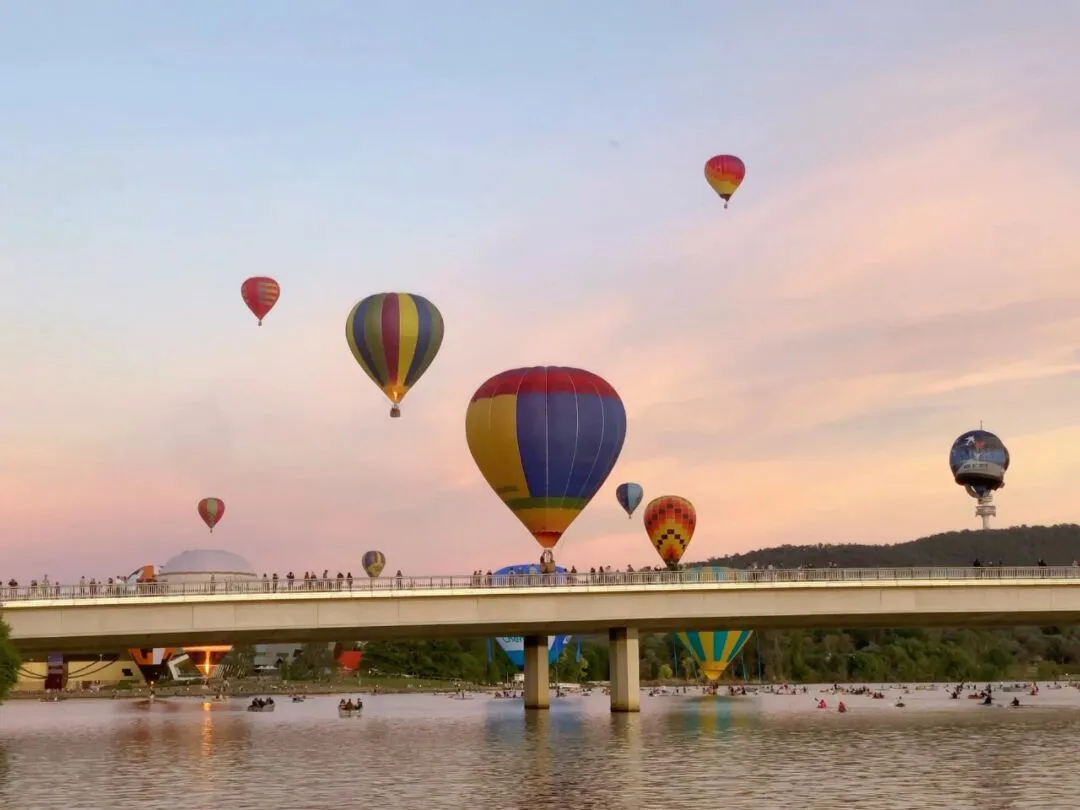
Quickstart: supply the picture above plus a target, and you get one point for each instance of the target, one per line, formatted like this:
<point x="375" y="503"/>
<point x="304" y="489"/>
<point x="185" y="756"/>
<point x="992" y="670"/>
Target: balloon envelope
<point x="260" y="293"/>
<point x="394" y="337"/>
<point x="211" y="510"/>
<point x="979" y="459"/>
<point x="152" y="663"/>
<point x="373" y="562"/>
<point x="670" y="522"/>
<point x="715" y="650"/>
<point x="725" y="174"/>
<point x="629" y="496"/>
<point x="545" y="439"/>
<point x="514" y="646"/>
<point x="207" y="659"/>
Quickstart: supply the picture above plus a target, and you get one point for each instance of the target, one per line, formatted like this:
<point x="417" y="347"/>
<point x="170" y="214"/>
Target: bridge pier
<point x="625" y="675"/>
<point x="537" y="689"/>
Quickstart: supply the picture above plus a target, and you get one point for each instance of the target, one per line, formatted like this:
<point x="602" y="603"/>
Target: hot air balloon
<point x="373" y="562"/>
<point x="514" y="646"/>
<point x="670" y="522"/>
<point x="714" y="651"/>
<point x="207" y="658"/>
<point x="260" y="293"/>
<point x="394" y="337"/>
<point x="152" y="663"/>
<point x="545" y="439"/>
<point x="725" y="174"/>
<point x="211" y="510"/>
<point x="629" y="495"/>
<point x="979" y="459"/>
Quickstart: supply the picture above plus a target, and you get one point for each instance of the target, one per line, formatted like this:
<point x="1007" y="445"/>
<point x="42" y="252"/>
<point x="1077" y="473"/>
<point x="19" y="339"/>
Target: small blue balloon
<point x="629" y="496"/>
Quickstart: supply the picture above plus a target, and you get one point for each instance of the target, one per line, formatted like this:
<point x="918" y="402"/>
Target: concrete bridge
<point x="55" y="618"/>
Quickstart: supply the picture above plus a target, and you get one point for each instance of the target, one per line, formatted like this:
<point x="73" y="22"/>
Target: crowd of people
<point x="148" y="584"/>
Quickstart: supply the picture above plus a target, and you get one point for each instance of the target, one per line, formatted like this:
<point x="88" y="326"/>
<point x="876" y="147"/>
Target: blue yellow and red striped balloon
<point x="725" y="174"/>
<point x="670" y="522"/>
<point x="394" y="337"/>
<point x="715" y="650"/>
<point x="545" y="438"/>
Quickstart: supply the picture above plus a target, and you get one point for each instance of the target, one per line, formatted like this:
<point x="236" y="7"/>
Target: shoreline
<point x="367" y="686"/>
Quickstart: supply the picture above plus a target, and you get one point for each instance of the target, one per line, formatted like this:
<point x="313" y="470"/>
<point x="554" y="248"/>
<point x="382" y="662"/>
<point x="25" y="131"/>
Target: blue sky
<point x="899" y="263"/>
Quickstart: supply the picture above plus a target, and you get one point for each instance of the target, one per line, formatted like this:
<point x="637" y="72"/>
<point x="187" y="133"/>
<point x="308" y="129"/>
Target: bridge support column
<point x="625" y="670"/>
<point x="537" y="691"/>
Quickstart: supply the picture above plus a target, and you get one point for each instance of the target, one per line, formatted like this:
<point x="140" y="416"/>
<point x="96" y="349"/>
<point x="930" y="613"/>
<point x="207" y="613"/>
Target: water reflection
<point x="427" y="752"/>
<point x="5" y="769"/>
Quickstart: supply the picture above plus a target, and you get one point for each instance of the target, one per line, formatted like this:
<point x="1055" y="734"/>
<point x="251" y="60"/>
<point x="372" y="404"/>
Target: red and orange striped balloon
<point x="260" y="293"/>
<point x="725" y="174"/>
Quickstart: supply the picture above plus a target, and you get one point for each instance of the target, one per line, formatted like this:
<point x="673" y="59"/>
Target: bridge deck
<point x="189" y="614"/>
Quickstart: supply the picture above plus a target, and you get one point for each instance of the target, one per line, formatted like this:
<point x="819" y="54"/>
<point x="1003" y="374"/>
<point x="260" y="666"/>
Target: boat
<point x="268" y="706"/>
<point x="343" y="713"/>
<point x="298" y="698"/>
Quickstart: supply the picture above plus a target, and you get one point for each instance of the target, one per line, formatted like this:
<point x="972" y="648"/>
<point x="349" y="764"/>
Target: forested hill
<point x="1017" y="545"/>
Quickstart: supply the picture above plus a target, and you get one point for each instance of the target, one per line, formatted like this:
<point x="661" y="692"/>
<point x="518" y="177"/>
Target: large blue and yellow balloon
<point x="394" y="337"/>
<point x="629" y="496"/>
<point x="546" y="439"/>
<point x="713" y="651"/>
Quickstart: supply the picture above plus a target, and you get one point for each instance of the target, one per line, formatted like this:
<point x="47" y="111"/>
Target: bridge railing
<point x="636" y="579"/>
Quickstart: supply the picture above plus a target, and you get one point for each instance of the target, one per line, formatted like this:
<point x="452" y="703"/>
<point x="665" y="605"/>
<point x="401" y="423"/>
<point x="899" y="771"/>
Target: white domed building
<point x="199" y="564"/>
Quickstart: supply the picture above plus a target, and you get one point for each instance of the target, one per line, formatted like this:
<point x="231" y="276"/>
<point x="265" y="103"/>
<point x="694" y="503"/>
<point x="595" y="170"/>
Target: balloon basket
<point x="395" y="412"/>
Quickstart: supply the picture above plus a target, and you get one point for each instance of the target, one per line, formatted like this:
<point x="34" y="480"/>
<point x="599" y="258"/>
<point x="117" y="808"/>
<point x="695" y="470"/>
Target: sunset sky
<point x="902" y="261"/>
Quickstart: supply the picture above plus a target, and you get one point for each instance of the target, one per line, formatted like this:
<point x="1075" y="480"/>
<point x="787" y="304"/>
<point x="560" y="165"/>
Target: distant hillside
<point x="1017" y="545"/>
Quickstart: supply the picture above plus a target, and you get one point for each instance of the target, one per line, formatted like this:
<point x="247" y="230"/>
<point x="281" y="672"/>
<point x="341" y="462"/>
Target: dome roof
<point x="208" y="561"/>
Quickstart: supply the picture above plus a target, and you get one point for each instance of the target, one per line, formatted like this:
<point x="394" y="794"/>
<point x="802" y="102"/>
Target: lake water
<point x="426" y="751"/>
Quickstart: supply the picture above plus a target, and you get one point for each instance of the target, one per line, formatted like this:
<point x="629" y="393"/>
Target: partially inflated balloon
<point x="207" y="659"/>
<point x="373" y="562"/>
<point x="670" y="522"/>
<point x="629" y="495"/>
<point x="211" y="510"/>
<point x="545" y="438"/>
<point x="260" y="293"/>
<point x="394" y="337"/>
<point x="725" y="174"/>
<point x="514" y="646"/>
<point x="153" y="663"/>
<point x="714" y="651"/>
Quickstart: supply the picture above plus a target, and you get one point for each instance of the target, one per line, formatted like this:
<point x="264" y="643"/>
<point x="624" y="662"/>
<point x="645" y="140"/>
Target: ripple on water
<point x="429" y="752"/>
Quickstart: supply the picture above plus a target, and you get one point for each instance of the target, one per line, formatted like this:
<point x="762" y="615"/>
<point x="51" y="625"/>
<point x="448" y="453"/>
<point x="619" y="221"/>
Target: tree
<point x="239" y="662"/>
<point x="9" y="660"/>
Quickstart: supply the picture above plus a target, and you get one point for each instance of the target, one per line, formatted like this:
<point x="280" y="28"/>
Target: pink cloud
<point x="797" y="365"/>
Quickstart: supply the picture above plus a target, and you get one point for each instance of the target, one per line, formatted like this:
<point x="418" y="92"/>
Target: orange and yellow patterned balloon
<point x="670" y="522"/>
<point x="725" y="174"/>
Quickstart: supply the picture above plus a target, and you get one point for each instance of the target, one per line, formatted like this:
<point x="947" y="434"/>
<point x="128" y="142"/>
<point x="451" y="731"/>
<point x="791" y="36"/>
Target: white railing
<point x="485" y="582"/>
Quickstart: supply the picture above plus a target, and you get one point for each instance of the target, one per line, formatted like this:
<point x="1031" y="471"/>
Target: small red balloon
<point x="260" y="293"/>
